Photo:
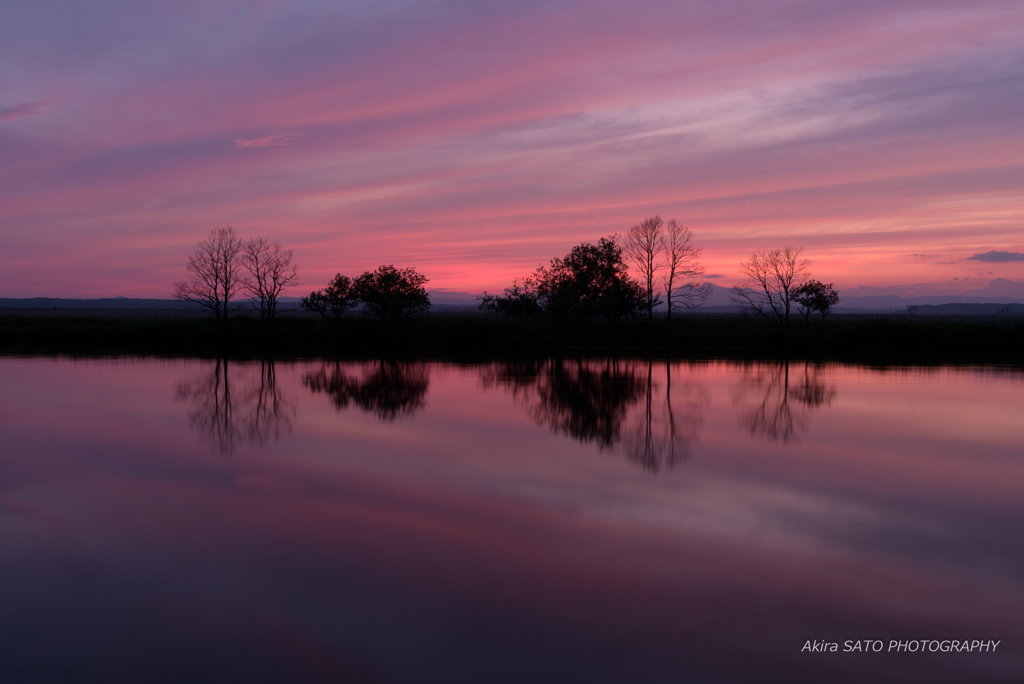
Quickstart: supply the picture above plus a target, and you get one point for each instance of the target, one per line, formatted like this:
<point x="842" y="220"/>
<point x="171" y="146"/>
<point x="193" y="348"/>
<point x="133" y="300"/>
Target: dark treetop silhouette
<point x="591" y="281"/>
<point x="814" y="297"/>
<point x="334" y="300"/>
<point x="389" y="293"/>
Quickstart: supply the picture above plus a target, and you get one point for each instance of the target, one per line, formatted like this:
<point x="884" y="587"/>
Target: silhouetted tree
<point x="773" y="277"/>
<point x="591" y="281"/>
<point x="644" y="245"/>
<point x="682" y="262"/>
<point x="333" y="301"/>
<point x="390" y="293"/>
<point x="519" y="301"/>
<point x="215" y="272"/>
<point x="270" y="270"/>
<point x="813" y="296"/>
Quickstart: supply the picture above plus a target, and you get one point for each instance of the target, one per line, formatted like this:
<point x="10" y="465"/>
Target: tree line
<point x="225" y="266"/>
<point x="389" y="293"/>
<point x="776" y="281"/>
<point x="592" y="281"/>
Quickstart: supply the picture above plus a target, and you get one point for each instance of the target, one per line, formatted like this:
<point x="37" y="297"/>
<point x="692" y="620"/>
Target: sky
<point x="476" y="140"/>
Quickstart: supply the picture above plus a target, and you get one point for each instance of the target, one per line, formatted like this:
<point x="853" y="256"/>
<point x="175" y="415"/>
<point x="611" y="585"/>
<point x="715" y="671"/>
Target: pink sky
<point x="475" y="140"/>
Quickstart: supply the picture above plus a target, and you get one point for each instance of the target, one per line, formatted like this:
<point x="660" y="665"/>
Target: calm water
<point x="559" y="521"/>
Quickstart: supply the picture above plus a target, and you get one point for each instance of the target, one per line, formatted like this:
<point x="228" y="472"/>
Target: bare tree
<point x="215" y="271"/>
<point x="773" y="278"/>
<point x="645" y="242"/>
<point x="271" y="270"/>
<point x="681" y="263"/>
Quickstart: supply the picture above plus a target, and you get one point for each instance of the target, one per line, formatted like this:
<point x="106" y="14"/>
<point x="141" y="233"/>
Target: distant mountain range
<point x="869" y="299"/>
<point x="105" y="303"/>
<point x="858" y="300"/>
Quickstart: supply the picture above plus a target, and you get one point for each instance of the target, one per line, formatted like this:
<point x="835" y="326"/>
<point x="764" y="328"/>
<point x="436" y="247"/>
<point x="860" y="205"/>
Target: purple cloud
<point x="265" y="141"/>
<point x="21" y="111"/>
<point x="998" y="256"/>
<point x="476" y="140"/>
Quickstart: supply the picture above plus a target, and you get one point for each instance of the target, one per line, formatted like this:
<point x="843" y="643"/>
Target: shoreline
<point x="876" y="340"/>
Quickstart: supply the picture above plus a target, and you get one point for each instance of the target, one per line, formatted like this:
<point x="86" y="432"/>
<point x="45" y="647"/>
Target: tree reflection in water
<point x="227" y="416"/>
<point x="592" y="401"/>
<point x="782" y="412"/>
<point x="664" y="435"/>
<point x="389" y="390"/>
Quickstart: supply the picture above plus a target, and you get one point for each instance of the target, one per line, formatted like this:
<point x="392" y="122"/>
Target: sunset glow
<point x="475" y="140"/>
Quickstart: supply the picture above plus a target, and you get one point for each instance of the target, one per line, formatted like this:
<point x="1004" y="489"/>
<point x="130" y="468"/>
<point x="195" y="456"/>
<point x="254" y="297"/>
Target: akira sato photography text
<point x="896" y="646"/>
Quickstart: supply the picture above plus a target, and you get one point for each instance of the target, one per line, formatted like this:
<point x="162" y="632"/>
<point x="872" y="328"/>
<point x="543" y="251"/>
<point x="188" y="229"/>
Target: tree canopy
<point x="332" y="301"/>
<point x="591" y="281"/>
<point x="390" y="293"/>
<point x="814" y="296"/>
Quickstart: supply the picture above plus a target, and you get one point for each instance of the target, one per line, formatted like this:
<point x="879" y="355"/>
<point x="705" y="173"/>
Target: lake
<point x="594" y="520"/>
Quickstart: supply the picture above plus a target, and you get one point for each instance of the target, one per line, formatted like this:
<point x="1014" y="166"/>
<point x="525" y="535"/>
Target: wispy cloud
<point x="476" y="140"/>
<point x="998" y="256"/>
<point x="21" y="111"/>
<point x="265" y="141"/>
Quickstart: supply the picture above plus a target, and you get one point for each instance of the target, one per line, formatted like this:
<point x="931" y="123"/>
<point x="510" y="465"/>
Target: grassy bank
<point x="868" y="340"/>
